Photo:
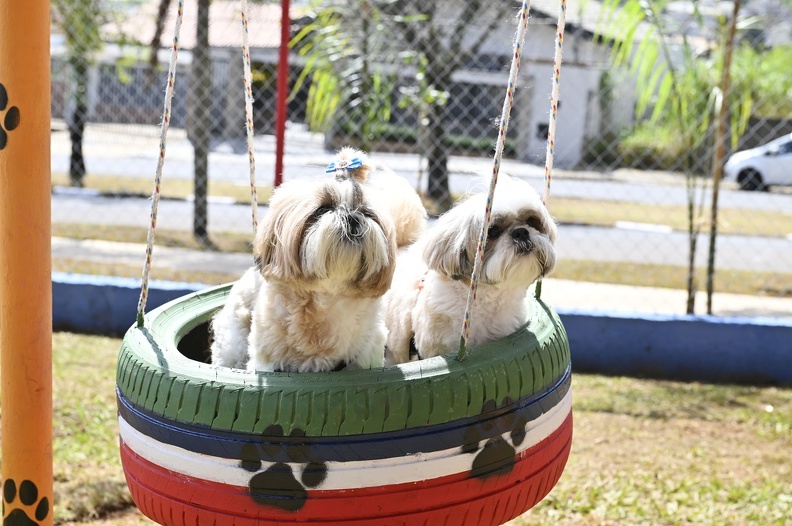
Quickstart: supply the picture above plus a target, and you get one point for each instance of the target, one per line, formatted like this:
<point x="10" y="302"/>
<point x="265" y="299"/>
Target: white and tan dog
<point x="325" y="254"/>
<point x="426" y="303"/>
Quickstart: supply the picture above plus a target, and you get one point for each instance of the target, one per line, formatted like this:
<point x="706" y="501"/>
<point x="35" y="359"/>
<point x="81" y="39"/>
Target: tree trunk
<point x="717" y="161"/>
<point x="76" y="124"/>
<point x="199" y="124"/>
<point x="438" y="189"/>
<point x="438" y="75"/>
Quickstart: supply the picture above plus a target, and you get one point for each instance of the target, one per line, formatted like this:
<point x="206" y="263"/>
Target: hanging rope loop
<point x="551" y="129"/>
<point x="166" y="113"/>
<point x="508" y="102"/>
<point x="155" y="197"/>
<point x="504" y="124"/>
<point x="248" y="79"/>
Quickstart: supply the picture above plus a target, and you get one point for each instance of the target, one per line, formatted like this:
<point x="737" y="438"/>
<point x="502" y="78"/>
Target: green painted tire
<point x="453" y="416"/>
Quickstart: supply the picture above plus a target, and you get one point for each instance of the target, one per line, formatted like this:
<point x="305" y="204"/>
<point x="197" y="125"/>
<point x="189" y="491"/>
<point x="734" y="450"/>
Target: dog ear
<point x="379" y="282"/>
<point x="264" y="244"/>
<point x="450" y="244"/>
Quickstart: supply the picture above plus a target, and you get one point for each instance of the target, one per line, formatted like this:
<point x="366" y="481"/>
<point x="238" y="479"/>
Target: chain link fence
<point x="421" y="85"/>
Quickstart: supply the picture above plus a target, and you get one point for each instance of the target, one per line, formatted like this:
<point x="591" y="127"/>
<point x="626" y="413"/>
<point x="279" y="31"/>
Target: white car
<point x="757" y="168"/>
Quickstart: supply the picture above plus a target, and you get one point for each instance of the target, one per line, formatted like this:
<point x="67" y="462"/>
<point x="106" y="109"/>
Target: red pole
<point x="283" y="91"/>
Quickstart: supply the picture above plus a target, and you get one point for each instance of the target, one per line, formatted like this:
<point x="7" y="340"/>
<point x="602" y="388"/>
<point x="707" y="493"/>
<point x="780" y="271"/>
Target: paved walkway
<point x="557" y="292"/>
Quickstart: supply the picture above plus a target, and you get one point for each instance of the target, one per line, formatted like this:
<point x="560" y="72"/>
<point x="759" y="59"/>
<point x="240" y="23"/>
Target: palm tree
<point x="349" y="44"/>
<point x="347" y="87"/>
<point x="679" y="94"/>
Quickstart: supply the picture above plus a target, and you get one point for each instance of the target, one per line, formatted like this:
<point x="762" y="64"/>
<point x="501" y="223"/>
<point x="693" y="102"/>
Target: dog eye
<point x="322" y="210"/>
<point x="536" y="224"/>
<point x="367" y="212"/>
<point x="494" y="231"/>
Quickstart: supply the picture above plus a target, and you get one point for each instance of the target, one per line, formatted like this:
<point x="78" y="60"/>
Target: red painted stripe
<point x="177" y="500"/>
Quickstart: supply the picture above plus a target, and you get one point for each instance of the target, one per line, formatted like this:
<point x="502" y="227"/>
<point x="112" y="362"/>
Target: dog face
<point x="324" y="235"/>
<point x="520" y="238"/>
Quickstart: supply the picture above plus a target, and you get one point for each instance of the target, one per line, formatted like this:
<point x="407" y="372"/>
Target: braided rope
<point x="248" y="78"/>
<point x="166" y="113"/>
<point x="551" y="129"/>
<point x="519" y="40"/>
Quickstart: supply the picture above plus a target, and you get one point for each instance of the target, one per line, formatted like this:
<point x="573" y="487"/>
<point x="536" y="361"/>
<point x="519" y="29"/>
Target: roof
<point x="586" y="16"/>
<point x="225" y="29"/>
<point x="225" y="24"/>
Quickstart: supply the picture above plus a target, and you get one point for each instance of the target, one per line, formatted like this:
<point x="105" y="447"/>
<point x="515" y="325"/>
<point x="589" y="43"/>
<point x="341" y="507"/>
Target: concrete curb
<point x="106" y="305"/>
<point x="681" y="347"/>
<point x="691" y="348"/>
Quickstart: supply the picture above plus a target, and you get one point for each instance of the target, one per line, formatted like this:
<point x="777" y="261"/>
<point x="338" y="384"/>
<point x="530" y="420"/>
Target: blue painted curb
<point x="694" y="348"/>
<point x="106" y="305"/>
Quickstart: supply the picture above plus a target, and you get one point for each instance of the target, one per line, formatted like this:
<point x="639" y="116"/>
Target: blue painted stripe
<point x="462" y="433"/>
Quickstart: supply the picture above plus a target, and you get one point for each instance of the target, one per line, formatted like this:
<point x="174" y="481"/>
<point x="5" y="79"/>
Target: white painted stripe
<point x="341" y="475"/>
<point x="643" y="227"/>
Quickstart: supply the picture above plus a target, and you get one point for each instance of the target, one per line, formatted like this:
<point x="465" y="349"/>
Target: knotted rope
<point x="155" y="197"/>
<point x="551" y="129"/>
<point x="163" y="136"/>
<point x="519" y="41"/>
<point x="249" y="114"/>
<point x="504" y="124"/>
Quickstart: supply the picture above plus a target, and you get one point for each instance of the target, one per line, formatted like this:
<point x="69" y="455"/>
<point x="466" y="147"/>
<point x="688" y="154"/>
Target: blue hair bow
<point x="351" y="164"/>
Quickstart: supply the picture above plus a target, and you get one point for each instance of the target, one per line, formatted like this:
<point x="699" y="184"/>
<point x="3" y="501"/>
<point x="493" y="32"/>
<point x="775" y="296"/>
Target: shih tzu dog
<point x="426" y="303"/>
<point x="325" y="255"/>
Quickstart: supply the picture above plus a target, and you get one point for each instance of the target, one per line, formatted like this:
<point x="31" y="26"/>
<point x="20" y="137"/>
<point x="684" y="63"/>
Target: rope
<point x="519" y="40"/>
<point x="551" y="129"/>
<point x="158" y="177"/>
<point x="249" y="114"/>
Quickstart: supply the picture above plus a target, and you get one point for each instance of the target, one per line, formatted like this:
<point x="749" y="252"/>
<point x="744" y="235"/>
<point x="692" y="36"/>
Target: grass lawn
<point x="625" y="273"/>
<point x="644" y="452"/>
<point x="566" y="210"/>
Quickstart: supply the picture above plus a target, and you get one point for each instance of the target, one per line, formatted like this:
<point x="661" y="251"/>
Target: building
<point x="123" y="89"/>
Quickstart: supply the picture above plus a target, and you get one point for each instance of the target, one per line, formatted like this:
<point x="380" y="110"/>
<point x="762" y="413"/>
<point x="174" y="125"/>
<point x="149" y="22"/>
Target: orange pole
<point x="25" y="262"/>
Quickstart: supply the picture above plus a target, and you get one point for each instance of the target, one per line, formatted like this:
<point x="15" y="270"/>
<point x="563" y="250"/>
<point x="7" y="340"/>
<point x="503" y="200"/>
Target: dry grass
<point x="222" y="241"/>
<point x="674" y="277"/>
<point x="78" y="266"/>
<point x="644" y="452"/>
<point x="670" y="453"/>
<point x="730" y="220"/>
<point x="647" y="275"/>
<point x="564" y="209"/>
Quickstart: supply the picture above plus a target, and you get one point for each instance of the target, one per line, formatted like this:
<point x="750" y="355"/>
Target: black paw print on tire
<point x="277" y="485"/>
<point x="27" y="494"/>
<point x="11" y="120"/>
<point x="496" y="455"/>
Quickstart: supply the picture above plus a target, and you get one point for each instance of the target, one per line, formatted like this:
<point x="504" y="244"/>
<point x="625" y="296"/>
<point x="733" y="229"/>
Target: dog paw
<point x="11" y="119"/>
<point x="28" y="496"/>
<point x="278" y="485"/>
<point x="496" y="456"/>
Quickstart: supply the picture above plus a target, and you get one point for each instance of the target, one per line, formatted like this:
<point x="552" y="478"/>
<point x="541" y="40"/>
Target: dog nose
<point x="355" y="226"/>
<point x="522" y="239"/>
<point x="521" y="235"/>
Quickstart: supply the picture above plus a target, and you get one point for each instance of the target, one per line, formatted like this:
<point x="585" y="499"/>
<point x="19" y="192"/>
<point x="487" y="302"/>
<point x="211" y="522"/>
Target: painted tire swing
<point x="439" y="441"/>
<point x="432" y="442"/>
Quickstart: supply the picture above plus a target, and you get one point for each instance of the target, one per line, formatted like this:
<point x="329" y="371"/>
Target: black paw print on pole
<point x="11" y="120"/>
<point x="26" y="495"/>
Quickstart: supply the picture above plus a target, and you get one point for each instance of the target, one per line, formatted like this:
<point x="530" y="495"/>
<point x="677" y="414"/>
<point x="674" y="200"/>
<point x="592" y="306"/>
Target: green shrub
<point x="653" y="147"/>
